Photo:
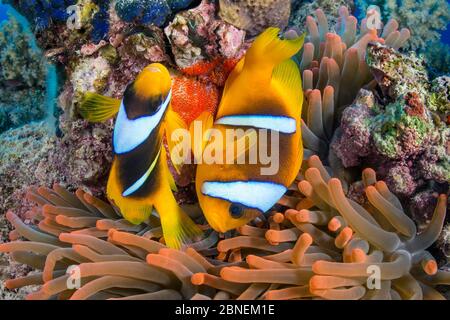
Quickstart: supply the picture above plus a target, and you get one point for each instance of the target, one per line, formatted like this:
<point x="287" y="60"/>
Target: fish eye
<point x="236" y="210"/>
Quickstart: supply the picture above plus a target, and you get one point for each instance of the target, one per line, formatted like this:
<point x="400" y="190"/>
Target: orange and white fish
<point x="264" y="91"/>
<point x="139" y="180"/>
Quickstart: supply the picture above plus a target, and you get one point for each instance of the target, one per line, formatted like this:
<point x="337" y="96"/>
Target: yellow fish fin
<point x="168" y="175"/>
<point x="172" y="122"/>
<point x="234" y="74"/>
<point x="97" y="108"/>
<point x="252" y="137"/>
<point x="178" y="228"/>
<point x="268" y="50"/>
<point x="134" y="211"/>
<point x="203" y="123"/>
<point x="287" y="75"/>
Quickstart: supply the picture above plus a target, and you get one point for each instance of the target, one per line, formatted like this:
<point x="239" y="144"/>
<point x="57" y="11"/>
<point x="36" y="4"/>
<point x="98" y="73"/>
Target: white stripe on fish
<point x="282" y="124"/>
<point x="253" y="194"/>
<point x="129" y="134"/>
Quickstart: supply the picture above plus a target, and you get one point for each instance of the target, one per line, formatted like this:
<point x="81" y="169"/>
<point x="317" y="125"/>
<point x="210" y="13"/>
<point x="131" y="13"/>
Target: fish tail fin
<point x="97" y="108"/>
<point x="178" y="227"/>
<point x="268" y="50"/>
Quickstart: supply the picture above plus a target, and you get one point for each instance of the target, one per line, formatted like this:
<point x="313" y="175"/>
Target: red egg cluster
<point x="198" y="88"/>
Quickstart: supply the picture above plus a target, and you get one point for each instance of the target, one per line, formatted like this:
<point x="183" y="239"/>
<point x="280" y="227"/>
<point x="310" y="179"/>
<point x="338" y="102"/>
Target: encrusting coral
<point x="255" y="16"/>
<point x="22" y="75"/>
<point x="403" y="132"/>
<point x="198" y="37"/>
<point x="145" y="11"/>
<point x="426" y="19"/>
<point x="323" y="246"/>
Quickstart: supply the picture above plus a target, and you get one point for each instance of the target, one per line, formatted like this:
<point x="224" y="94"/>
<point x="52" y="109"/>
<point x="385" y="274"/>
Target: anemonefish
<point x="264" y="91"/>
<point x="139" y="180"/>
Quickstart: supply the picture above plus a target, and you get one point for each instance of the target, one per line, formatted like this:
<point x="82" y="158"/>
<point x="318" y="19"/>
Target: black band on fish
<point x="133" y="188"/>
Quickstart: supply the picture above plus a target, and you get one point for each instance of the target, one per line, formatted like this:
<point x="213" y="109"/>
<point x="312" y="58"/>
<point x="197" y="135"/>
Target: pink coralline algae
<point x="397" y="132"/>
<point x="255" y="16"/>
<point x="82" y="156"/>
<point x="355" y="128"/>
<point x="196" y="35"/>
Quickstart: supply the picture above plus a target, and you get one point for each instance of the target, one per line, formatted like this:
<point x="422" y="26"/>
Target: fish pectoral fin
<point x="178" y="228"/>
<point x="97" y="108"/>
<point x="132" y="210"/>
<point x="201" y="125"/>
<point x="173" y="122"/>
<point x="252" y="137"/>
<point x="173" y="185"/>
<point x="166" y="172"/>
<point x="136" y="214"/>
<point x="287" y="75"/>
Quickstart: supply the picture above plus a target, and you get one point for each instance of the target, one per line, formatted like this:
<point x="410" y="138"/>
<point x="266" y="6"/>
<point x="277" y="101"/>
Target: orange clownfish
<point x="139" y="180"/>
<point x="264" y="91"/>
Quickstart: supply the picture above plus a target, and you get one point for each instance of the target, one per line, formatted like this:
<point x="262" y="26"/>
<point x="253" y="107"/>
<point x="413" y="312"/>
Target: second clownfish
<point x="264" y="94"/>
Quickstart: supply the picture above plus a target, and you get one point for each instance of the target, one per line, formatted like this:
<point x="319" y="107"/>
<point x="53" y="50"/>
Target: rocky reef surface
<point x="402" y="131"/>
<point x="398" y="124"/>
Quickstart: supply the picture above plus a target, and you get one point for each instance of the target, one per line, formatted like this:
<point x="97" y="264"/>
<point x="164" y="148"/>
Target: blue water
<point x="3" y="15"/>
<point x="52" y="78"/>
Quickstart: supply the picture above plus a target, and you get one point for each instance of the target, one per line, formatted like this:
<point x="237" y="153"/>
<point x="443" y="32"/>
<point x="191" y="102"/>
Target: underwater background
<point x="399" y="128"/>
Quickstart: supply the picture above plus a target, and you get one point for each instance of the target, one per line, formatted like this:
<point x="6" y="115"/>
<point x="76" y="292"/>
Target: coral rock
<point x="196" y="35"/>
<point x="254" y="16"/>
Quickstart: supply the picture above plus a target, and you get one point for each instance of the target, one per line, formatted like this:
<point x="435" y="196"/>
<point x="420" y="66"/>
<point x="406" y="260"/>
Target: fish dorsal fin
<point x="268" y="50"/>
<point x="172" y="122"/>
<point x="200" y="127"/>
<point x="97" y="108"/>
<point x="234" y="74"/>
<point x="287" y="76"/>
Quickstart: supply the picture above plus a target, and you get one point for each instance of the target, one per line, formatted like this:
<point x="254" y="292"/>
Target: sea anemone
<point x="82" y="230"/>
<point x="334" y="70"/>
<point x="324" y="246"/>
